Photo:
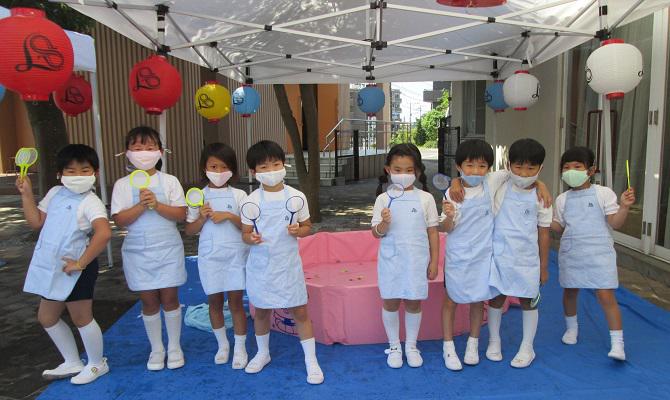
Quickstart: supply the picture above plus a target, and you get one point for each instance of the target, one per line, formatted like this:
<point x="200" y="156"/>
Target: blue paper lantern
<point x="493" y="96"/>
<point x="371" y="99"/>
<point x="2" y="92"/>
<point x="246" y="100"/>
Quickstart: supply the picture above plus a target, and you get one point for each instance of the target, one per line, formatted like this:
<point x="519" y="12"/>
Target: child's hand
<point x="206" y="211"/>
<point x="544" y="276"/>
<point x="218" y="217"/>
<point x="543" y="194"/>
<point x="148" y="199"/>
<point x="456" y="191"/>
<point x="71" y="266"/>
<point x="294" y="230"/>
<point x="628" y="198"/>
<point x="24" y="186"/>
<point x="256" y="238"/>
<point x="386" y="216"/>
<point x="432" y="271"/>
<point x="449" y="209"/>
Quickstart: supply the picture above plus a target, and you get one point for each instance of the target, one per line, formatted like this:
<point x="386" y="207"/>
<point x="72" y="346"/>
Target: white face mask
<point x="218" y="179"/>
<point x="405" y="180"/>
<point x="77" y="183"/>
<point x="522" y="182"/>
<point x="144" y="159"/>
<point x="271" y="178"/>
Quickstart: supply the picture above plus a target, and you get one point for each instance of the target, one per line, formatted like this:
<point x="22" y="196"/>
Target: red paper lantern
<point x="36" y="56"/>
<point x="472" y="3"/>
<point x="75" y="97"/>
<point x="155" y="84"/>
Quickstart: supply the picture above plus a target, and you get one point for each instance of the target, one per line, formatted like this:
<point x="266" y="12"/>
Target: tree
<point x="430" y="121"/>
<point x="45" y="118"/>
<point x="309" y="176"/>
<point x="420" y="134"/>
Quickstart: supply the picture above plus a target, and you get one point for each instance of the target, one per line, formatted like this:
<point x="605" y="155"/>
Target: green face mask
<point x="574" y="178"/>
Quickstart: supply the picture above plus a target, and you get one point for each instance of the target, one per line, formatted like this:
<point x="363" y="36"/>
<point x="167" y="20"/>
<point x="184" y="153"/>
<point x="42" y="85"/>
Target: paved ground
<point x="26" y="350"/>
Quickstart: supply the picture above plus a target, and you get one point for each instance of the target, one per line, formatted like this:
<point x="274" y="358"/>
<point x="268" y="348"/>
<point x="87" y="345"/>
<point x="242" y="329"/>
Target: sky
<point x="412" y="93"/>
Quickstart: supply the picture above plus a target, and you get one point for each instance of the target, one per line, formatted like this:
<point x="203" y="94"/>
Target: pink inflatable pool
<point x="344" y="303"/>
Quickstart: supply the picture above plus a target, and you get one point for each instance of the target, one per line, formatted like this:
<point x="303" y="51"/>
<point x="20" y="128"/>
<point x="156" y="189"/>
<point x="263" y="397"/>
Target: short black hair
<point x="76" y="152"/>
<point x="144" y="133"/>
<point x="222" y="152"/>
<point x="263" y="151"/>
<point x="580" y="154"/>
<point x="526" y="150"/>
<point x="474" y="149"/>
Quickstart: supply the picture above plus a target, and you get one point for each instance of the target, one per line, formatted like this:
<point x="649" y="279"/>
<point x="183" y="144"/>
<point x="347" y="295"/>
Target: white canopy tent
<point x="84" y="60"/>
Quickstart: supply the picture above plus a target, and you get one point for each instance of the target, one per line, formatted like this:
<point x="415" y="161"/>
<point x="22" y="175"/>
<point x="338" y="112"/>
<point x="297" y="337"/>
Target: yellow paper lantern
<point x="212" y="101"/>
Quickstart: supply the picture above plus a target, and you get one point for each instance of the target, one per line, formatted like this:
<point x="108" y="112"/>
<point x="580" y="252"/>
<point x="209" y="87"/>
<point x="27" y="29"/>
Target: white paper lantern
<point x="521" y="90"/>
<point x="614" y="68"/>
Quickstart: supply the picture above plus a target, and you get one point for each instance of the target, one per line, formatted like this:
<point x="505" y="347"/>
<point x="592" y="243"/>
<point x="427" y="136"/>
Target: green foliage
<point x="419" y="134"/>
<point x="61" y="14"/>
<point x="426" y="134"/>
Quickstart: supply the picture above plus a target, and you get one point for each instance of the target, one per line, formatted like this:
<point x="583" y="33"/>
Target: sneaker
<point x="240" y="358"/>
<point x="175" y="359"/>
<point x="452" y="362"/>
<point x="394" y="359"/>
<point x="222" y="355"/>
<point x="257" y="363"/>
<point x="570" y="336"/>
<point x="413" y="355"/>
<point x="523" y="358"/>
<point x="65" y="370"/>
<point x="314" y="373"/>
<point x="617" y="352"/>
<point x="90" y="373"/>
<point x="471" y="353"/>
<point x="494" y="351"/>
<point x="156" y="361"/>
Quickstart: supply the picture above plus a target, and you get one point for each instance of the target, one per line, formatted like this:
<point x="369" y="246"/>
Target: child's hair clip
<point x="167" y="151"/>
<point x="120" y="154"/>
<point x="287" y="165"/>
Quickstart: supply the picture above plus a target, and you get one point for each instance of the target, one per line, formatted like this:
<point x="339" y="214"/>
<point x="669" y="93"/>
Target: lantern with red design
<point x="75" y="97"/>
<point x="155" y="84"/>
<point x="472" y="3"/>
<point x="36" y="56"/>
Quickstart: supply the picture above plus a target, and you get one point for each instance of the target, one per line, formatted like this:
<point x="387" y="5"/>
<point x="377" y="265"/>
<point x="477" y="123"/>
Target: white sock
<point x="91" y="335"/>
<point x="240" y="342"/>
<point x="221" y="338"/>
<point x="448" y="347"/>
<point x="571" y="322"/>
<point x="173" y="327"/>
<point x="63" y="338"/>
<point x="530" y="318"/>
<point x="153" y="326"/>
<point x="494" y="321"/>
<point x="616" y="336"/>
<point x="412" y="325"/>
<point x="263" y="343"/>
<point x="392" y="326"/>
<point x="309" y="348"/>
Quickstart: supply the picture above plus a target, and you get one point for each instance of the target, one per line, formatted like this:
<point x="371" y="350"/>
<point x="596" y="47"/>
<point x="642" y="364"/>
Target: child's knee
<point x="570" y="293"/>
<point x="498" y="301"/>
<point x="413" y="306"/>
<point x="606" y="298"/>
<point x="300" y="314"/>
<point x="262" y="314"/>
<point x="46" y="319"/>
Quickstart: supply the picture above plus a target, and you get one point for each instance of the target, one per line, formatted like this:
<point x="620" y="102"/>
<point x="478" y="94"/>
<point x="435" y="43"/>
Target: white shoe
<point x="394" y="359"/>
<point x="523" y="358"/>
<point x="471" y="354"/>
<point x="314" y="373"/>
<point x="452" y="362"/>
<point x="90" y="373"/>
<point x="65" y="370"/>
<point x="617" y="352"/>
<point x="156" y="361"/>
<point x="175" y="359"/>
<point x="222" y="355"/>
<point x="413" y="355"/>
<point x="570" y="336"/>
<point x="494" y="351"/>
<point x="257" y="363"/>
<point x="240" y="358"/>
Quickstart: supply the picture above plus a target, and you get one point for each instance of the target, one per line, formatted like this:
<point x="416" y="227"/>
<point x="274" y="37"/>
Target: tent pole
<point x="604" y="104"/>
<point x="251" y="186"/>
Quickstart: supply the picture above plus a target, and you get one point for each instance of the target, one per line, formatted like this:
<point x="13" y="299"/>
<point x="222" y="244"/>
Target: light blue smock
<point x="60" y="237"/>
<point x="275" y="278"/>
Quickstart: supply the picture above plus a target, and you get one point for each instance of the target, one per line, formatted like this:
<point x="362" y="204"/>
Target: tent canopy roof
<point x="312" y="41"/>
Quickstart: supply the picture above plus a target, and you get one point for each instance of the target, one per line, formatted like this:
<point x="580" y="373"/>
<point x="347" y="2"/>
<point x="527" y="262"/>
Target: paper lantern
<point x="75" y="97"/>
<point x="246" y="100"/>
<point x="2" y="92"/>
<point x="493" y="96"/>
<point x="36" y="56"/>
<point x="212" y="101"/>
<point x="472" y="3"/>
<point x="371" y="99"/>
<point x="614" y="68"/>
<point x="521" y="90"/>
<point x="154" y="84"/>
